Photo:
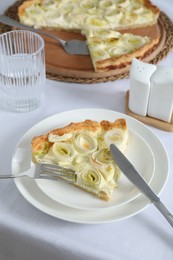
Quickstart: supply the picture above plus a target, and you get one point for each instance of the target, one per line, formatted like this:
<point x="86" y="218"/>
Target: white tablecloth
<point x="28" y="233"/>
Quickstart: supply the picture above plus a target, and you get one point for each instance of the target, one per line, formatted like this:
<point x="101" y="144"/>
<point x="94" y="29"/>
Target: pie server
<point x="71" y="47"/>
<point x="131" y="173"/>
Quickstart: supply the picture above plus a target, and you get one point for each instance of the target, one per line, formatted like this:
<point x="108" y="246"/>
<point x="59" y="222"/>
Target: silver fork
<point x="71" y="47"/>
<point x="46" y="171"/>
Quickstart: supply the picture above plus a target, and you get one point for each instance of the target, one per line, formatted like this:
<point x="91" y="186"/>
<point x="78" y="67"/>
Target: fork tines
<point x="56" y="171"/>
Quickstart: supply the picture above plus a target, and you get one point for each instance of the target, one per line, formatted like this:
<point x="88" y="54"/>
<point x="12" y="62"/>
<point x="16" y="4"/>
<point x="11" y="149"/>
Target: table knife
<point x="131" y="173"/>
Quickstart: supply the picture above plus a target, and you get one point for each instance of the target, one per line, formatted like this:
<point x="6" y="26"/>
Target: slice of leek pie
<point x="110" y="49"/>
<point x="84" y="147"/>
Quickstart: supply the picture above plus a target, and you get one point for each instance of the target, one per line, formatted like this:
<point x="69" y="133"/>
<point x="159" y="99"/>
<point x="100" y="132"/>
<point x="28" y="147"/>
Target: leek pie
<point x="100" y="21"/>
<point x="84" y="147"/>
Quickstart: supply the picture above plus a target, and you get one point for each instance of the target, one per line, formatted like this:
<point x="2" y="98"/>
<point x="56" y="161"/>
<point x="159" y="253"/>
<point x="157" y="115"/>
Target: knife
<point x="131" y="173"/>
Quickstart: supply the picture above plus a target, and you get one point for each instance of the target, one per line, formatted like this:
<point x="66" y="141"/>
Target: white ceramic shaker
<point x="140" y="74"/>
<point x="161" y="94"/>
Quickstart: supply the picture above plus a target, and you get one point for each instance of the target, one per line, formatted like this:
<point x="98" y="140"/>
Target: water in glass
<point x="22" y="70"/>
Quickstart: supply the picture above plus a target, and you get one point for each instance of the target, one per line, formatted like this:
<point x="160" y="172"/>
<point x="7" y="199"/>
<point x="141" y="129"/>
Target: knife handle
<point x="164" y="211"/>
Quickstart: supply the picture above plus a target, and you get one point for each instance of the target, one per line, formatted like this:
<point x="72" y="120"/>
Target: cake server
<point x="76" y="47"/>
<point x="131" y="173"/>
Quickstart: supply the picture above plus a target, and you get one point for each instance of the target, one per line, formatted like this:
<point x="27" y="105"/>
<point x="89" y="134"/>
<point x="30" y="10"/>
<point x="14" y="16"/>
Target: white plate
<point x="141" y="156"/>
<point x="30" y="190"/>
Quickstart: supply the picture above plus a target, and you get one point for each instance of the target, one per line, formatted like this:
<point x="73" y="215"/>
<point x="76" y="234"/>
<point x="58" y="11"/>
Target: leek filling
<point x="89" y="155"/>
<point x="114" y="45"/>
<point x="92" y="13"/>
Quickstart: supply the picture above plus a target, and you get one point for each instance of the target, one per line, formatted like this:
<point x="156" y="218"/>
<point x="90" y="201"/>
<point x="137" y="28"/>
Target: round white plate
<point x="141" y="156"/>
<point x="31" y="191"/>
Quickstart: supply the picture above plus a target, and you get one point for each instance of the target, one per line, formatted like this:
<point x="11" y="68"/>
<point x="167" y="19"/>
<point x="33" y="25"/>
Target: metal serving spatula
<point x="71" y="47"/>
<point x="131" y="173"/>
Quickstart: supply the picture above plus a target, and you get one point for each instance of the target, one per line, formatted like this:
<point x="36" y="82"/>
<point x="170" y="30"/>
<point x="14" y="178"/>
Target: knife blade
<point x="132" y="174"/>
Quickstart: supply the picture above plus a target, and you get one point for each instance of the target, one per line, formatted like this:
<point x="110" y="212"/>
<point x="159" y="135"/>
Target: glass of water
<point x="22" y="69"/>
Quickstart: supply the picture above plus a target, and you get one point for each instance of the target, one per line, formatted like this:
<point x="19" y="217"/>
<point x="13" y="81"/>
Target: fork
<point x="46" y="171"/>
<point x="71" y="47"/>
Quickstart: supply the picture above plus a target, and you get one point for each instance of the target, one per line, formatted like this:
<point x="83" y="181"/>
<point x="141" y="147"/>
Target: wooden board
<point x="149" y="120"/>
<point x="60" y="63"/>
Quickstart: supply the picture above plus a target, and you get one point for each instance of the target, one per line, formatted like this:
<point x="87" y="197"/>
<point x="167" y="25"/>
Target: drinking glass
<point x="22" y="69"/>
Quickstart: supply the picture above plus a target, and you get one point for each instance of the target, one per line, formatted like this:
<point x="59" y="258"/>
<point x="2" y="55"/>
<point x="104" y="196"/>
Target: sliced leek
<point x="91" y="177"/>
<point x="134" y="42"/>
<point x="84" y="142"/>
<point x="63" y="153"/>
<point x="116" y="137"/>
<point x="102" y="156"/>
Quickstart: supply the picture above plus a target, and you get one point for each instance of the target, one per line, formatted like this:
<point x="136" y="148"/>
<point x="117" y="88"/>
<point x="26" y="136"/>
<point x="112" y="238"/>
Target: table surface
<point x="28" y="233"/>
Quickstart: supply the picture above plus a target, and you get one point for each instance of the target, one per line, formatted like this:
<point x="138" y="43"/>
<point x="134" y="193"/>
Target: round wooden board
<point x="60" y="63"/>
<point x="63" y="67"/>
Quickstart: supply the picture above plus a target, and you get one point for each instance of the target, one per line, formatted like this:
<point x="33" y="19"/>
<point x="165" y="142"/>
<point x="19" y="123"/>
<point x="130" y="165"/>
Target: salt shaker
<point x="140" y="74"/>
<point x="160" y="104"/>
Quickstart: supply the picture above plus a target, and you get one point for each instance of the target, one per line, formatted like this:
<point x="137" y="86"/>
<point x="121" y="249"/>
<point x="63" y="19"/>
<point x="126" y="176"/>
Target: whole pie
<point x="108" y="25"/>
<point x="84" y="147"/>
